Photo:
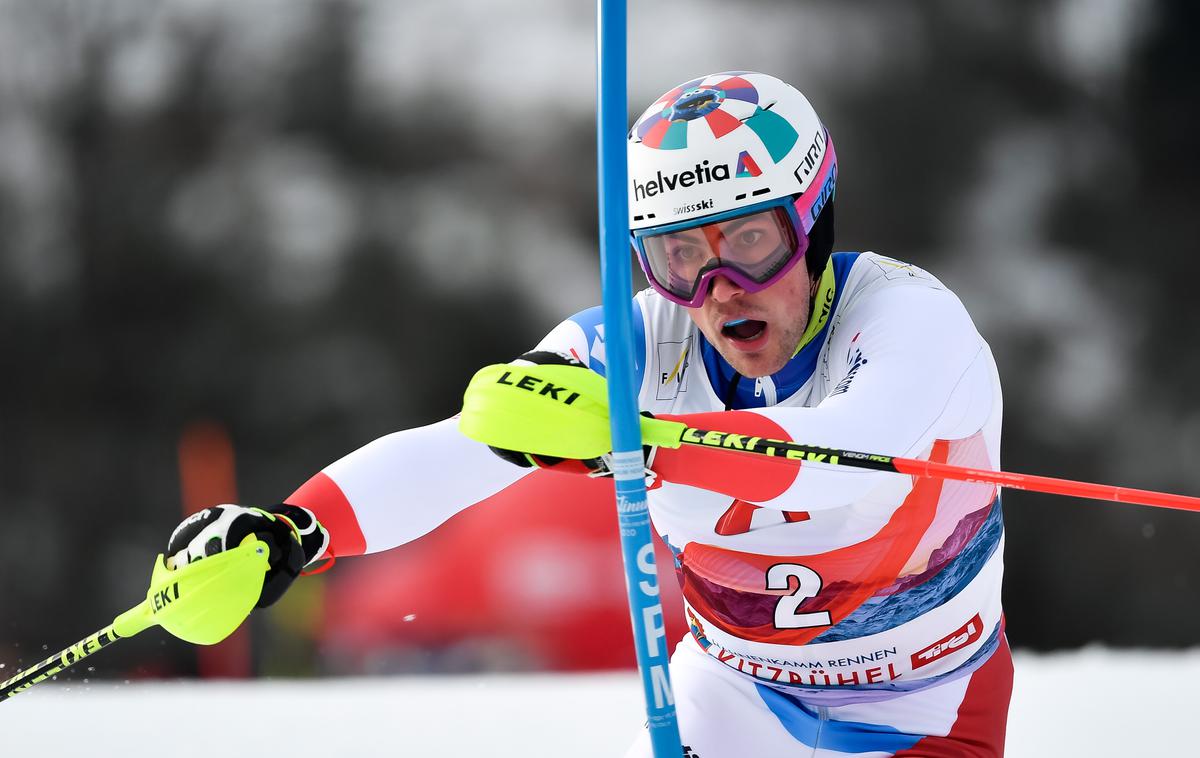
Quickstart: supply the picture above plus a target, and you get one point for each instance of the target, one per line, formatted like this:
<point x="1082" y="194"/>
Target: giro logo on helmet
<point x="826" y="195"/>
<point x="812" y="156"/>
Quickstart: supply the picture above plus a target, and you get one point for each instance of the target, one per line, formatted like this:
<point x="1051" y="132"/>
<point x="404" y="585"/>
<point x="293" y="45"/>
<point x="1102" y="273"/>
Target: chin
<point x="753" y="367"/>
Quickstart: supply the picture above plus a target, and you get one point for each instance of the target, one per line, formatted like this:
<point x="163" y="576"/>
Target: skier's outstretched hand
<point x="598" y="466"/>
<point x="591" y="466"/>
<point x="293" y="535"/>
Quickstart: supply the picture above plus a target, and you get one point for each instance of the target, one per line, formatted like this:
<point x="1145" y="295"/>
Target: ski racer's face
<point x="756" y="332"/>
<point x="741" y="276"/>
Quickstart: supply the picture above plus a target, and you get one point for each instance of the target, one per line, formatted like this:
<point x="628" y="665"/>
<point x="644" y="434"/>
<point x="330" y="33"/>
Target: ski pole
<point x="561" y="411"/>
<point x="59" y="661"/>
<point x="202" y="603"/>
<point x="794" y="451"/>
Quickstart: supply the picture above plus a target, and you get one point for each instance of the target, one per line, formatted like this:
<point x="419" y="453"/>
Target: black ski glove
<point x="293" y="536"/>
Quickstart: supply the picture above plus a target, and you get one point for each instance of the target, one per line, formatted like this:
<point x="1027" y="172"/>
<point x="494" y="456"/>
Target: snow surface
<point x="1092" y="702"/>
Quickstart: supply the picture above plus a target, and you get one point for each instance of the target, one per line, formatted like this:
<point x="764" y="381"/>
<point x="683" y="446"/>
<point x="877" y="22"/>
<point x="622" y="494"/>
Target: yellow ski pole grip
<point x="204" y="601"/>
<point x="660" y="432"/>
<point x="548" y="409"/>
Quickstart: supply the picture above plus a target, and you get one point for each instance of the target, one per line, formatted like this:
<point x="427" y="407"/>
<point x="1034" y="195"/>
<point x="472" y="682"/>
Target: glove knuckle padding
<point x="223" y="527"/>
<point x="549" y="358"/>
<point x="205" y="533"/>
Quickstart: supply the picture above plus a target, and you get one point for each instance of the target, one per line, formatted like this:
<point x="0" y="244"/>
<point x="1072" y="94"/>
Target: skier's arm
<point x="912" y="369"/>
<point x="402" y="486"/>
<point x="405" y="484"/>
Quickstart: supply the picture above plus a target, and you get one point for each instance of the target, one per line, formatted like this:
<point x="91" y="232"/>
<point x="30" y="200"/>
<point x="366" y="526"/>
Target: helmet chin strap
<point x="821" y="305"/>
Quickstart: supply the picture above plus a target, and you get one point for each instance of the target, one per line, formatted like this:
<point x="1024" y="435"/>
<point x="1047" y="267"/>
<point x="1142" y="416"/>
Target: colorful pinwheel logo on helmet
<point x="694" y="103"/>
<point x="718" y="104"/>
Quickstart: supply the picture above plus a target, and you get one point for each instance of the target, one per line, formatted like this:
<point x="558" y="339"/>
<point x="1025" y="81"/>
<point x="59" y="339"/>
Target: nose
<point x="723" y="289"/>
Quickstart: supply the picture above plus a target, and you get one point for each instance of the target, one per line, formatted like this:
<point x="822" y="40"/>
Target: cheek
<point x="799" y="290"/>
<point x="697" y="315"/>
<point x="791" y="310"/>
<point x="790" y="301"/>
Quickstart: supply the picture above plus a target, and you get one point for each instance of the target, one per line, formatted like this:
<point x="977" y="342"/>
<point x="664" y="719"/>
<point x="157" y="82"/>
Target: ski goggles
<point x="753" y="247"/>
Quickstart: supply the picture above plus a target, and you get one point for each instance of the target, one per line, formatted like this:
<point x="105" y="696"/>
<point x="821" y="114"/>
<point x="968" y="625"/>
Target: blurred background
<point x="241" y="238"/>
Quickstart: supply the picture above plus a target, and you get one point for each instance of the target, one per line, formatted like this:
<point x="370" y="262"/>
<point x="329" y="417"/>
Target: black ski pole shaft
<point x="62" y="659"/>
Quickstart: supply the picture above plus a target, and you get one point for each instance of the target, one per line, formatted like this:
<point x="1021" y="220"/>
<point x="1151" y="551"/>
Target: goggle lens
<point x="753" y="250"/>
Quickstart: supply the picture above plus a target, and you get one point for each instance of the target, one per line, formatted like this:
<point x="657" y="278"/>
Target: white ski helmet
<point x="727" y="141"/>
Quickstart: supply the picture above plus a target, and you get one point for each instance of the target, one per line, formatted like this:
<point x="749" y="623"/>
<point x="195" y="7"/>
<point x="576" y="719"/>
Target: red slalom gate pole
<point x="1048" y="484"/>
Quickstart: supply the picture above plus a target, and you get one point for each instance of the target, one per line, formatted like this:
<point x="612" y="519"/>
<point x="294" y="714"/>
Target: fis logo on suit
<point x="673" y="362"/>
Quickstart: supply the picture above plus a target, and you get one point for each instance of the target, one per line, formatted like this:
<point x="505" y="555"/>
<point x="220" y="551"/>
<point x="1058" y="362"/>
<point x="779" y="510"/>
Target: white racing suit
<point x="833" y="611"/>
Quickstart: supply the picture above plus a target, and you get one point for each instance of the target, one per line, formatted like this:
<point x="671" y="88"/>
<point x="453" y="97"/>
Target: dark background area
<point x="310" y="222"/>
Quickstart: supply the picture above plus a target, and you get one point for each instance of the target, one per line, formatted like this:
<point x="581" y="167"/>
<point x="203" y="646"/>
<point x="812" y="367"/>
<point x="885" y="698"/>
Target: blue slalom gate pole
<point x="637" y="546"/>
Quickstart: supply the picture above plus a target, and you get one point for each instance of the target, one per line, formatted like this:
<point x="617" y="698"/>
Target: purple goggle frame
<point x="691" y="291"/>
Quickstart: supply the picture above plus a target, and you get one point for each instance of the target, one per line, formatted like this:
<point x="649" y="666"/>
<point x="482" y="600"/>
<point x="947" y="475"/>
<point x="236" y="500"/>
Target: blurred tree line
<point x="207" y="213"/>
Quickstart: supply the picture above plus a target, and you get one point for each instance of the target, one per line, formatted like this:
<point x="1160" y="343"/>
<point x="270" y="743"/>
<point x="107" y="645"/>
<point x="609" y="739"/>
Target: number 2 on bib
<point x="779" y="577"/>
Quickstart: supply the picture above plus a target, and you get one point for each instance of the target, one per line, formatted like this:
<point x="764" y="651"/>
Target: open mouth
<point x="743" y="329"/>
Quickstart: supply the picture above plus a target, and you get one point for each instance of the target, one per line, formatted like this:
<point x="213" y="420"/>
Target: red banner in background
<point x="207" y="476"/>
<point x="529" y="579"/>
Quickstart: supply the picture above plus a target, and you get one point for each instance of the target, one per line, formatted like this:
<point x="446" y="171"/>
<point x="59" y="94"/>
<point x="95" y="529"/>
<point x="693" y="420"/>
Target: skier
<point x="832" y="611"/>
